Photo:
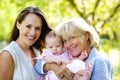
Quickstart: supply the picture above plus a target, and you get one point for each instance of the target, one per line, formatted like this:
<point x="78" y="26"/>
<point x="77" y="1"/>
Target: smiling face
<point x="29" y="29"/>
<point x="75" y="44"/>
<point x="75" y="39"/>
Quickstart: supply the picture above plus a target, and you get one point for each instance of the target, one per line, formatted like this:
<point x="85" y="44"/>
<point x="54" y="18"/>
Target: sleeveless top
<point x="23" y="70"/>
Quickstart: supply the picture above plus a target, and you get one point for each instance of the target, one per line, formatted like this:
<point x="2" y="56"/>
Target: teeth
<point x="72" y="49"/>
<point x="30" y="37"/>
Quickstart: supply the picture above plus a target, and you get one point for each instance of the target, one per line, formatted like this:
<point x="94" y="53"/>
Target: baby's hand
<point x="51" y="59"/>
<point x="57" y="61"/>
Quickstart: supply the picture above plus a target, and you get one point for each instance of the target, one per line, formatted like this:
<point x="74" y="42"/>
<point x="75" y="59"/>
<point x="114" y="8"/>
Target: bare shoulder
<point x="6" y="65"/>
<point x="5" y="56"/>
<point x="6" y="59"/>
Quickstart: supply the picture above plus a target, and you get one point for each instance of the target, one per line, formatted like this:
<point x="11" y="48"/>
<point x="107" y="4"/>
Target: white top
<point x="23" y="70"/>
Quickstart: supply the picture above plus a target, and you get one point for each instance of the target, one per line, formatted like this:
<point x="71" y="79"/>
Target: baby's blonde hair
<point x="77" y="26"/>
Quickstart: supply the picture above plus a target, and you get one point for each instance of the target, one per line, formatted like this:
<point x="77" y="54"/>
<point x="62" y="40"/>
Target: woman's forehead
<point x="70" y="32"/>
<point x="67" y="35"/>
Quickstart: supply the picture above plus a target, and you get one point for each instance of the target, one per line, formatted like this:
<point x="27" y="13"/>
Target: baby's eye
<point x="50" y="47"/>
<point x="57" y="45"/>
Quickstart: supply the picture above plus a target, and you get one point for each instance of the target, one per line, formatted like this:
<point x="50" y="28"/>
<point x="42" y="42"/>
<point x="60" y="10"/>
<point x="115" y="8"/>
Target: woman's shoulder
<point x="11" y="49"/>
<point x="103" y="60"/>
<point x="97" y="54"/>
<point x="102" y="56"/>
<point x="6" y="57"/>
<point x="98" y="57"/>
<point x="8" y="47"/>
<point x="5" y="54"/>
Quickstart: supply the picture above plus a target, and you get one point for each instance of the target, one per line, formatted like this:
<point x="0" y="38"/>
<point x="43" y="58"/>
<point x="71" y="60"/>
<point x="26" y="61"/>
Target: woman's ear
<point x="87" y="36"/>
<point x="18" y="25"/>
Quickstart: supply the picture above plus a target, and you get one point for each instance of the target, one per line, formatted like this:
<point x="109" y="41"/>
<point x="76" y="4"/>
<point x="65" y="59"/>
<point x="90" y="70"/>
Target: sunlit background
<point x="103" y="15"/>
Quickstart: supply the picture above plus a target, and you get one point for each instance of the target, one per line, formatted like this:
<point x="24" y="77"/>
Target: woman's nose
<point x="32" y="31"/>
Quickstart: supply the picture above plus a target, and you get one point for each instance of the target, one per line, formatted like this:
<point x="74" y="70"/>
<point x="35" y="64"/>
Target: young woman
<point x="26" y="41"/>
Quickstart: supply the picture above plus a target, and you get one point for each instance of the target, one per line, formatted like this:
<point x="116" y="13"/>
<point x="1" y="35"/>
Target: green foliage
<point x="116" y="75"/>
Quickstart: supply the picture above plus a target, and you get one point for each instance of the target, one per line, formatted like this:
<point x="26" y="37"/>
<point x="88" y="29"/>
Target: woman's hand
<point x="83" y="74"/>
<point x="61" y="71"/>
<point x="65" y="73"/>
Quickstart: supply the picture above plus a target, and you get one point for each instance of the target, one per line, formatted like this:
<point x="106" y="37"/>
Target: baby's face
<point x="54" y="45"/>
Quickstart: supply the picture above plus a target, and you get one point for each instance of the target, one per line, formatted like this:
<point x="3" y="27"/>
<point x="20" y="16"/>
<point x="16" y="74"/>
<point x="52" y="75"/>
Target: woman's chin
<point x="73" y="55"/>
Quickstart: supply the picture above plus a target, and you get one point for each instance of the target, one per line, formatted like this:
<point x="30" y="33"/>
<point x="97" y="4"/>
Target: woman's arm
<point x="6" y="66"/>
<point x="42" y="67"/>
<point x="60" y="70"/>
<point x="50" y="66"/>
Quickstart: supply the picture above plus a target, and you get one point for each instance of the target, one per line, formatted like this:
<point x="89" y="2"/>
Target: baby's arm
<point x="51" y="59"/>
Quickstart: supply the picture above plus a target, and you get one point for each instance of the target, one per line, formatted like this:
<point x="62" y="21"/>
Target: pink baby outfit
<point x="64" y="57"/>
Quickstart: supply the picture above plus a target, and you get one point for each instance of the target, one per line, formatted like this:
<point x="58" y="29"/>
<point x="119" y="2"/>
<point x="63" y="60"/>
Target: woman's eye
<point x="71" y="38"/>
<point x="50" y="47"/>
<point x="29" y="26"/>
<point x="64" y="41"/>
<point x="38" y="28"/>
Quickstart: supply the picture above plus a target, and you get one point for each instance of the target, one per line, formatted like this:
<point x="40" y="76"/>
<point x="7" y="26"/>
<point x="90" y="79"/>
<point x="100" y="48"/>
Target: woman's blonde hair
<point x="78" y="26"/>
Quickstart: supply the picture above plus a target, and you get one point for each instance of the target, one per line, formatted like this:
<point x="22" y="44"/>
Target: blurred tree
<point x="102" y="14"/>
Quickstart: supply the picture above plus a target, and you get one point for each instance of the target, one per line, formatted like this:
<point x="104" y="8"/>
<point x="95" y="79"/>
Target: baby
<point x="55" y="52"/>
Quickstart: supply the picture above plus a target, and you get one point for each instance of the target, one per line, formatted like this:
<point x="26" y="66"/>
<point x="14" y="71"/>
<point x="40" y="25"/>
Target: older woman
<point x="78" y="36"/>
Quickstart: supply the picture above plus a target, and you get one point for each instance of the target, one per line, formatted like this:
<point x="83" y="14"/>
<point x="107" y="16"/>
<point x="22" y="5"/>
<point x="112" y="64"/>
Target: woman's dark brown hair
<point x="39" y="44"/>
